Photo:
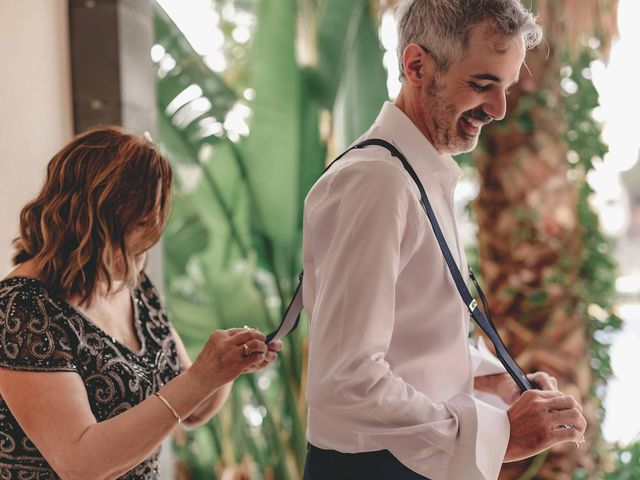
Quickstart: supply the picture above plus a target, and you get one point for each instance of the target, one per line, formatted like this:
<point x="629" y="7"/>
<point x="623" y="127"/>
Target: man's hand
<point x="539" y="420"/>
<point x="507" y="389"/>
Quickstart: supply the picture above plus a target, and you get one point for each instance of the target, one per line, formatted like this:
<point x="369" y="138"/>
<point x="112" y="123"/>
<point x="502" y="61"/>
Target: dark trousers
<point x="333" y="465"/>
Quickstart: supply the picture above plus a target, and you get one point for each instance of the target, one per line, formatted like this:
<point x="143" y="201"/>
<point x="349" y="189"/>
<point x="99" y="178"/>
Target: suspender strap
<point x="292" y="314"/>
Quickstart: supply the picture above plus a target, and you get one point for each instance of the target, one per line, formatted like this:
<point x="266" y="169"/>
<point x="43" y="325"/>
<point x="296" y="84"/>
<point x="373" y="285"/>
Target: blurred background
<point x="250" y="98"/>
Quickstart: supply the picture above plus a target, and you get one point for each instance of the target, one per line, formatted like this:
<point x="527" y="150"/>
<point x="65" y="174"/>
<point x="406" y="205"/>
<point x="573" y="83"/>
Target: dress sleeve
<point x="33" y="333"/>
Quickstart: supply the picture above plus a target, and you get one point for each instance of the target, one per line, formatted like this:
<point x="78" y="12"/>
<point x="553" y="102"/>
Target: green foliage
<point x="233" y="241"/>
<point x="625" y="464"/>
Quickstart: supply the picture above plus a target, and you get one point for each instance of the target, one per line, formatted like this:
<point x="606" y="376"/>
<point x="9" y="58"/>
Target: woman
<point x="93" y="376"/>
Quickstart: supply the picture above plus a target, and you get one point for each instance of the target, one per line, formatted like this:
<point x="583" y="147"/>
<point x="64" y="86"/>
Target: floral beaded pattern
<point x="39" y="332"/>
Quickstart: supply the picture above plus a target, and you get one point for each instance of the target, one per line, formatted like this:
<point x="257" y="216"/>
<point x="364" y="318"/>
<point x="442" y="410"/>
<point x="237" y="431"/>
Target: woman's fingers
<point x="234" y="331"/>
<point x="244" y="336"/>
<point x="276" y="346"/>
<point x="255" y="346"/>
<point x="268" y="359"/>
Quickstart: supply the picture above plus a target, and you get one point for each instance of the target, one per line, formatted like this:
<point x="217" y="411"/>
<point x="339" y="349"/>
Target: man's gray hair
<point x="443" y="26"/>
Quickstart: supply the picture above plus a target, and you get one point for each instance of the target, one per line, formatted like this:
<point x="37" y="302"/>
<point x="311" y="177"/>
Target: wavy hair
<point x="104" y="201"/>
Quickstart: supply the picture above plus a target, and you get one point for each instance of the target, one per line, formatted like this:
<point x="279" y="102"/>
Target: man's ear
<point x="418" y="64"/>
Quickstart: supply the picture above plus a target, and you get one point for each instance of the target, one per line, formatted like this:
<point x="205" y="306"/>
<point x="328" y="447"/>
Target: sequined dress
<point x="40" y="332"/>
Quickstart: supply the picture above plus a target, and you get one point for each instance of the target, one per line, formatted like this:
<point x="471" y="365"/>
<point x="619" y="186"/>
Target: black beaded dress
<point x="40" y="332"/>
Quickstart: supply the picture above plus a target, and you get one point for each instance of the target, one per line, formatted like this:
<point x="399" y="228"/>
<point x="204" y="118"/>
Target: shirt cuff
<point x="482" y="440"/>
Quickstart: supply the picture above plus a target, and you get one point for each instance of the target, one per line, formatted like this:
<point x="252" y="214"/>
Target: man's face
<point x="471" y="93"/>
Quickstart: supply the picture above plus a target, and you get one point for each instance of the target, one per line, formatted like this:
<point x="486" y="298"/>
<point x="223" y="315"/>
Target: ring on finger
<point x="247" y="350"/>
<point x="567" y="426"/>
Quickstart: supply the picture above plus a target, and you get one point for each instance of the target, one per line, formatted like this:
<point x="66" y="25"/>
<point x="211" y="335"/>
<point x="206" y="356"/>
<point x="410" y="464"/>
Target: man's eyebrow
<point x="486" y="76"/>
<point x="492" y="78"/>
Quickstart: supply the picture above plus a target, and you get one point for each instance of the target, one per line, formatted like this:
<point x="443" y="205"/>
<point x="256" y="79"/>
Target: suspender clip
<point x="473" y="305"/>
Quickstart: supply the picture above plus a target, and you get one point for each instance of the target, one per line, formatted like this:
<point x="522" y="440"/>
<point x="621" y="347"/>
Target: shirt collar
<point x="402" y="132"/>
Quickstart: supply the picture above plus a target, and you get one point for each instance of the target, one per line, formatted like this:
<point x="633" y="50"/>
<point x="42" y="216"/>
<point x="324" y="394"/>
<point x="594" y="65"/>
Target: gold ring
<point x="247" y="351"/>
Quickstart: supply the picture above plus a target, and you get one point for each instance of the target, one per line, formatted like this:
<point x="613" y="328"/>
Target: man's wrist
<point x="484" y="383"/>
<point x="489" y="383"/>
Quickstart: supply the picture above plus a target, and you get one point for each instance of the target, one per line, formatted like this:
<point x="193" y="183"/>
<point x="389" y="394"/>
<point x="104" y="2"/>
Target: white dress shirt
<point x="390" y="366"/>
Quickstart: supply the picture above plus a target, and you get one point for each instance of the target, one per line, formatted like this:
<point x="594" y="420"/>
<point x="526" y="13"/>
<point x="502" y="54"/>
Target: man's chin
<point x="462" y="145"/>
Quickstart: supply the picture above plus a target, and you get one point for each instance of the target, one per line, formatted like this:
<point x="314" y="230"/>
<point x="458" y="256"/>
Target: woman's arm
<point x="212" y="404"/>
<point x="54" y="411"/>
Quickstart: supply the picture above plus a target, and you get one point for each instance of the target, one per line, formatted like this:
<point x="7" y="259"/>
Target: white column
<point x="35" y="104"/>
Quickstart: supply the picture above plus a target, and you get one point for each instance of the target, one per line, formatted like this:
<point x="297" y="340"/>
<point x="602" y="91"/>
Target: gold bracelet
<point x="173" y="410"/>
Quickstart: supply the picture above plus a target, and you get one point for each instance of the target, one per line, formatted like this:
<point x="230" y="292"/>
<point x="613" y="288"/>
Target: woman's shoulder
<point x="27" y="293"/>
<point x="34" y="334"/>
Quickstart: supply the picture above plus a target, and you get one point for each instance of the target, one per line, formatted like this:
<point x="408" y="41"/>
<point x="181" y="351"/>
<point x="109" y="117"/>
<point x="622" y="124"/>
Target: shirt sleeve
<point x="33" y="334"/>
<point x="360" y="238"/>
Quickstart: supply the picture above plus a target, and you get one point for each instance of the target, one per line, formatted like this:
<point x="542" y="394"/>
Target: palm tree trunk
<point x="530" y="250"/>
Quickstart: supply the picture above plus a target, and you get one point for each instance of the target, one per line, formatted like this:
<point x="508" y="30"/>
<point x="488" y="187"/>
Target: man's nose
<point x="496" y="105"/>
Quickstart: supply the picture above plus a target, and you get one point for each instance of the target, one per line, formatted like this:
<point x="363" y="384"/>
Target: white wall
<point x="35" y="104"/>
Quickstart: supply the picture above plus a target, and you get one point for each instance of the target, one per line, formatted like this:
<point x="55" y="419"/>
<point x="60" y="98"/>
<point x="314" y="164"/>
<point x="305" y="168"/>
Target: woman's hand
<point x="227" y="354"/>
<point x="270" y="357"/>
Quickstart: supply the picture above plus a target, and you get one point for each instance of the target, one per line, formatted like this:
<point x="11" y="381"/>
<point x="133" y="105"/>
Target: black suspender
<point x="292" y="314"/>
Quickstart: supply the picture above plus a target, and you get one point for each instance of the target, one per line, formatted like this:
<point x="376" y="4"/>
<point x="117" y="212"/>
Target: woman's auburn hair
<point x="99" y="188"/>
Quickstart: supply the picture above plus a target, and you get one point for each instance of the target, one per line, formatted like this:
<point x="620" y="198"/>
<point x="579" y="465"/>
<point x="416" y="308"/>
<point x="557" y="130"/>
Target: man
<point x="391" y="374"/>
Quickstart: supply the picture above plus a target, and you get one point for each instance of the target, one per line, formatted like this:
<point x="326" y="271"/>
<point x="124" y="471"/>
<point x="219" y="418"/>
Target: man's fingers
<point x="543" y="380"/>
<point x="563" y="402"/>
<point x="276" y="346"/>
<point x="537" y="395"/>
<point x="569" y="417"/>
<point x="567" y="435"/>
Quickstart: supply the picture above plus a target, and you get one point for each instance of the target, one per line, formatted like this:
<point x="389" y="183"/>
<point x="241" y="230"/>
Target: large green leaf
<point x="186" y="230"/>
<point x="222" y="187"/>
<point x="363" y="86"/>
<point x="274" y="141"/>
<point x="337" y="30"/>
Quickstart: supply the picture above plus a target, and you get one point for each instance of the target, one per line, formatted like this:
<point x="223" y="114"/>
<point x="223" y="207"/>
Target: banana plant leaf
<point x="274" y="143"/>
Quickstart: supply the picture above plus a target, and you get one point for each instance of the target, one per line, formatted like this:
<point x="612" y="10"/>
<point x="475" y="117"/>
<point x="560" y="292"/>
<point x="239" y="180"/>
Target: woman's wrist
<point x="202" y="387"/>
